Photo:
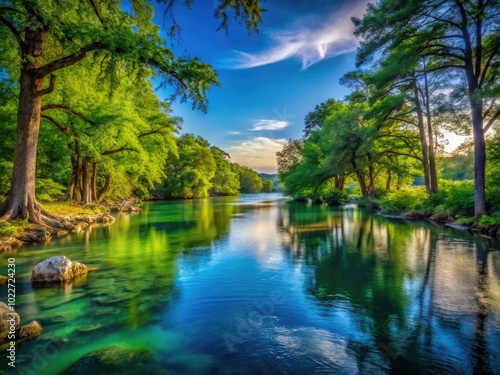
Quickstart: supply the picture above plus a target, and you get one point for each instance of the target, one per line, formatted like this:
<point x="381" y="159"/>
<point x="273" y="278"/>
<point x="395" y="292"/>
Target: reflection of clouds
<point x="260" y="235"/>
<point x="318" y="345"/>
<point x="454" y="285"/>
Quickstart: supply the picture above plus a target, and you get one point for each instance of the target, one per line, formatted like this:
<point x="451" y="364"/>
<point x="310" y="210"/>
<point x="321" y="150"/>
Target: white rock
<point x="56" y="270"/>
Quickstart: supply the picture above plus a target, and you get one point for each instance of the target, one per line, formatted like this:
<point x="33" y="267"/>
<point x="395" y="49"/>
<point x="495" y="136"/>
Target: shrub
<point x="460" y="199"/>
<point x="404" y="200"/>
<point x="334" y="197"/>
<point x="493" y="220"/>
<point x="12" y="227"/>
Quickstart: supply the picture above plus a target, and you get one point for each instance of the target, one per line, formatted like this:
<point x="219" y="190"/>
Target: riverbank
<point x="73" y="218"/>
<point x="484" y="226"/>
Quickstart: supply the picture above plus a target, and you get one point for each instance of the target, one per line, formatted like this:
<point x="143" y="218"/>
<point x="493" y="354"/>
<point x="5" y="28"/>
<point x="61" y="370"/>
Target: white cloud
<point x="233" y="133"/>
<point x="329" y="38"/>
<point x="269" y="125"/>
<point x="258" y="153"/>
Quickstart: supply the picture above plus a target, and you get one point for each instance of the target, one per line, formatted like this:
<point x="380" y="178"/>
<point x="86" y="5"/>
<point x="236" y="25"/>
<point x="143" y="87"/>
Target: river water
<point x="260" y="285"/>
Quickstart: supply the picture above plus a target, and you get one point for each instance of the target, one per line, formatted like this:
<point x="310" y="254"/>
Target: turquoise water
<point x="260" y="285"/>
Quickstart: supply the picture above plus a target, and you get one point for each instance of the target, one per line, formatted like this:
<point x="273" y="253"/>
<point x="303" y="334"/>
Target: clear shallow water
<point x="259" y="285"/>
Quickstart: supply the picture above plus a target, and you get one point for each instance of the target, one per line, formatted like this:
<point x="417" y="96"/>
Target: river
<point x="260" y="285"/>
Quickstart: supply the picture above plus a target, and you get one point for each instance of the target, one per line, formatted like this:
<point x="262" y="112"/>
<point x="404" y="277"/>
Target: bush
<point x="12" y="228"/>
<point x="404" y="200"/>
<point x="493" y="220"/>
<point x="47" y="190"/>
<point x="334" y="197"/>
<point x="460" y="199"/>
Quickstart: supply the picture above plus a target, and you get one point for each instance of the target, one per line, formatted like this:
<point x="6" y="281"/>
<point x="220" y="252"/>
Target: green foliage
<point x="267" y="186"/>
<point x="225" y="180"/>
<point x="189" y="173"/>
<point x="250" y="182"/>
<point x="492" y="220"/>
<point x="333" y="196"/>
<point x="404" y="200"/>
<point x="13" y="227"/>
<point x="47" y="190"/>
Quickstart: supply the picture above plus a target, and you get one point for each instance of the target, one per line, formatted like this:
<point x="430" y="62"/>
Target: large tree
<point x="54" y="34"/>
<point x="459" y="35"/>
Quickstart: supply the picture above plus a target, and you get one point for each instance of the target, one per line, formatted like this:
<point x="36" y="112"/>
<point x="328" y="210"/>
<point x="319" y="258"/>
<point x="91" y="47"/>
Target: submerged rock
<point x="115" y="360"/>
<point x="6" y="318"/>
<point x="3" y="280"/>
<point x="57" y="270"/>
<point x="29" y="330"/>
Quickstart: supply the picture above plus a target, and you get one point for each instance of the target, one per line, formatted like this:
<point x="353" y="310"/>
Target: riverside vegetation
<point x="420" y="76"/>
<point x="81" y="122"/>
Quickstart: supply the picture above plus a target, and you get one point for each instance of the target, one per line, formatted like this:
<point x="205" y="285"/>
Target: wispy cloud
<point x="331" y="36"/>
<point x="258" y="153"/>
<point x="233" y="133"/>
<point x="269" y="125"/>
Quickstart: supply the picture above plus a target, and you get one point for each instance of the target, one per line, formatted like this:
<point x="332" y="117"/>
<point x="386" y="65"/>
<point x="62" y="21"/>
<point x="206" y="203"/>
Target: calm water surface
<point x="259" y="285"/>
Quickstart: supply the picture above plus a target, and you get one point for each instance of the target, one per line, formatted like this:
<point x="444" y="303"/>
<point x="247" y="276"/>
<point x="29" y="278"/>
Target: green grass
<point x="12" y="228"/>
<point x="61" y="208"/>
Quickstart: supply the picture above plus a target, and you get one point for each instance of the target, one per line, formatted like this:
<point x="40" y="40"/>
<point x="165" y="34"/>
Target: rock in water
<point x="3" y="280"/>
<point x="115" y="360"/>
<point x="6" y="317"/>
<point x="57" y="270"/>
<point x="29" y="330"/>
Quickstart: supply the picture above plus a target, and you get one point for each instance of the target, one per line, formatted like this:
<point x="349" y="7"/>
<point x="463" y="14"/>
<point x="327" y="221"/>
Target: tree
<point x="314" y="120"/>
<point x="250" y="182"/>
<point x="225" y="180"/>
<point x="52" y="35"/>
<point x="191" y="170"/>
<point x="267" y="186"/>
<point x="455" y="36"/>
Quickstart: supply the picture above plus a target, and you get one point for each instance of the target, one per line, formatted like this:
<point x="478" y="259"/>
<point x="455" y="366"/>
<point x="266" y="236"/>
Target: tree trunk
<point x="423" y="137"/>
<point x="72" y="192"/>
<point x="86" y="196"/>
<point x="431" y="147"/>
<point x="104" y="189"/>
<point x="371" y="176"/>
<point x="21" y="202"/>
<point x="479" y="159"/>
<point x="389" y="180"/>
<point x="93" y="191"/>
<point x="361" y="179"/>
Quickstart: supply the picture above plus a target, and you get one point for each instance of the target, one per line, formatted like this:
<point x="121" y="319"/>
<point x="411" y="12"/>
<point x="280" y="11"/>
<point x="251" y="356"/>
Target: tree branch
<point x="13" y="30"/>
<point x="49" y="89"/>
<point x="72" y="59"/>
<point x="68" y="108"/>
<point x="491" y="121"/>
<point x="155" y="131"/>
<point x="62" y="128"/>
<point x="110" y="152"/>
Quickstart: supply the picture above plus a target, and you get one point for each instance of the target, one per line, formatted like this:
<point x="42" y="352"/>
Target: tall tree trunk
<point x="21" y="202"/>
<point x="423" y="137"/>
<point x="430" y="133"/>
<point x="93" y="192"/>
<point x="104" y="189"/>
<point x="361" y="179"/>
<point x="371" y="176"/>
<point x="86" y="186"/>
<point x="479" y="159"/>
<point x="72" y="192"/>
<point x="389" y="180"/>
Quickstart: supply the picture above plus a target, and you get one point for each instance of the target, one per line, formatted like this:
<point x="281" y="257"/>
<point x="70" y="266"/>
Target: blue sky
<point x="270" y="80"/>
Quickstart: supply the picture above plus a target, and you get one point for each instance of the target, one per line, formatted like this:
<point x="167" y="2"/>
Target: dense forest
<point x="81" y="119"/>
<point x="425" y="69"/>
